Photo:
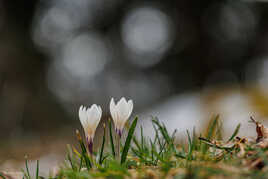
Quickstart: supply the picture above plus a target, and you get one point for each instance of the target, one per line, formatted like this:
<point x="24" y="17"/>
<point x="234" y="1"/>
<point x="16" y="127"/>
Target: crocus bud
<point x="90" y="118"/>
<point x="120" y="113"/>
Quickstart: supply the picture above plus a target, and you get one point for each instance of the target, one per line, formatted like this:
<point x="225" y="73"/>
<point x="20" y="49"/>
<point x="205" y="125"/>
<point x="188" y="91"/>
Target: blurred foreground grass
<point x="204" y="156"/>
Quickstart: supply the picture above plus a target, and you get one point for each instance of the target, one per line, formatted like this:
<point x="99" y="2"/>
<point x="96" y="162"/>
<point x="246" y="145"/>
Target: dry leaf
<point x="262" y="133"/>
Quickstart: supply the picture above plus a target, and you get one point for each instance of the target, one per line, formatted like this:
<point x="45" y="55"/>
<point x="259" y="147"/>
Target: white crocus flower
<point x="120" y="113"/>
<point x="90" y="118"/>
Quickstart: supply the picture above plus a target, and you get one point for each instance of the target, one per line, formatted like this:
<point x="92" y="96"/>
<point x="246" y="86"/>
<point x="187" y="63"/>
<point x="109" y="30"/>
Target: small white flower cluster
<point x="90" y="118"/>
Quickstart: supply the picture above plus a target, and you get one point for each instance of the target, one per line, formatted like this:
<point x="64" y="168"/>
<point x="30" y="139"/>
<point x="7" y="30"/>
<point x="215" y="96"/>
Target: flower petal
<point x="123" y="109"/>
<point x="93" y="114"/>
<point x="82" y="116"/>
<point x="113" y="110"/>
<point x="100" y="110"/>
<point x="90" y="118"/>
<point x="130" y="107"/>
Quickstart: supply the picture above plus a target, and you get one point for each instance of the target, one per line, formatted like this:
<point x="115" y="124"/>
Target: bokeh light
<point x="85" y="55"/>
<point x="53" y="28"/>
<point x="177" y="113"/>
<point x="147" y="33"/>
<point x="234" y="21"/>
<point x="81" y="59"/>
<point x="230" y="28"/>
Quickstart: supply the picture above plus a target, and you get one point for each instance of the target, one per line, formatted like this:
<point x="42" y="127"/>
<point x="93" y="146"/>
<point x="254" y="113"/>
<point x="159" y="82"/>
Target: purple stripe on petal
<point x="119" y="132"/>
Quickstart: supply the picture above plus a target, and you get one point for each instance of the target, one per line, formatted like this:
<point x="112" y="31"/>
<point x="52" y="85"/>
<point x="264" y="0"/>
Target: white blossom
<point x="90" y="118"/>
<point x="120" y="113"/>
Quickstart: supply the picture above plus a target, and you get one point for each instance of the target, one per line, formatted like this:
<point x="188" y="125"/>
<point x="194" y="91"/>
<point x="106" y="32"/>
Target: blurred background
<point x="182" y="61"/>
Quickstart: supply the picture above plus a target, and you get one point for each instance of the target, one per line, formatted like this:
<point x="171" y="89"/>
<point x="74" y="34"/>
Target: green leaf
<point x="102" y="147"/>
<point x="128" y="140"/>
<point x="111" y="138"/>
<point x="235" y="132"/>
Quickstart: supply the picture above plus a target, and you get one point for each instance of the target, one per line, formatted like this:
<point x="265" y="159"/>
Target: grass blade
<point x="111" y="137"/>
<point x="128" y="140"/>
<point x="137" y="143"/>
<point x="194" y="140"/>
<point x="70" y="160"/>
<point x="70" y="155"/>
<point x="27" y="168"/>
<point x="85" y="156"/>
<point x="211" y="131"/>
<point x="104" y="158"/>
<point x="235" y="132"/>
<point x="152" y="149"/>
<point x="142" y="138"/>
<point x="212" y="127"/>
<point x="84" y="150"/>
<point x="37" y="169"/>
<point x="81" y="162"/>
<point x="190" y="146"/>
<point x="163" y="131"/>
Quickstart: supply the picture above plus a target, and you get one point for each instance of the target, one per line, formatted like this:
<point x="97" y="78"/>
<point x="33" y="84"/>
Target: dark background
<point x="147" y="51"/>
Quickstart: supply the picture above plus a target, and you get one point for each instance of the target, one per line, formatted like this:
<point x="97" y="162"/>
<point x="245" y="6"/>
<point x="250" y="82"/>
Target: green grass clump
<point x="206" y="156"/>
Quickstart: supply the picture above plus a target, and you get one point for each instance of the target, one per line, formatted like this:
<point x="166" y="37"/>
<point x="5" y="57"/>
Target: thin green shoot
<point x="37" y="170"/>
<point x="128" y="140"/>
<point x="235" y="132"/>
<point x="102" y="145"/>
<point x="111" y="138"/>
